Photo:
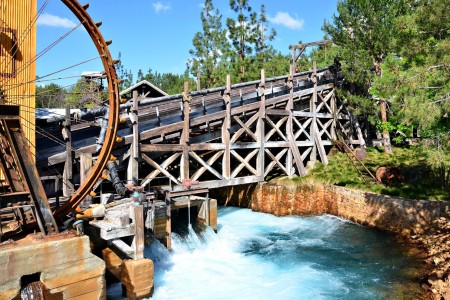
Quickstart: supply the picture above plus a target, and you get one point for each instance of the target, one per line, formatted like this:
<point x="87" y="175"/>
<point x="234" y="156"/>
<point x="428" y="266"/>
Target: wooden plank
<point x="226" y="159"/>
<point x="209" y="162"/>
<point x="138" y="242"/>
<point x="175" y="147"/>
<point x="276" y="127"/>
<point x="244" y="126"/>
<point x="313" y="110"/>
<point x="155" y="172"/>
<point x="152" y="163"/>
<point x="241" y="130"/>
<point x="260" y="127"/>
<point x="277" y="112"/>
<point x="85" y="168"/>
<point x="244" y="163"/>
<point x="123" y="247"/>
<point x="184" y="139"/>
<point x="221" y="183"/>
<point x="302" y="128"/>
<point x="276" y="161"/>
<point x="205" y="165"/>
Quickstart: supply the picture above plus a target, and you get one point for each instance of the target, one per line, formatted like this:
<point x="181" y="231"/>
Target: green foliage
<point x="86" y="94"/>
<point x="168" y="82"/>
<point x="50" y="96"/>
<point x="422" y="179"/>
<point x="124" y="74"/>
<point x="211" y="47"/>
<point x="243" y="34"/>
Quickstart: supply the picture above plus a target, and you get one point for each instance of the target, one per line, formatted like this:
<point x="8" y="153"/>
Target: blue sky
<point x="158" y="34"/>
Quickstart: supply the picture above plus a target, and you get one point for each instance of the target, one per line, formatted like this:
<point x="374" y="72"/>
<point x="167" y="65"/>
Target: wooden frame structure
<point x="231" y="135"/>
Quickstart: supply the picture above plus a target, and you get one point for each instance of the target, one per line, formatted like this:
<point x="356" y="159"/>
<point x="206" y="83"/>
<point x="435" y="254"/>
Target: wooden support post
<point x="68" y="166"/>
<point x="168" y="223"/>
<point x="184" y="140"/>
<point x="294" y="153"/>
<point x="226" y="162"/>
<point x="334" y="112"/>
<point x="138" y="242"/>
<point x="318" y="145"/>
<point x="133" y="166"/>
<point x="260" y="126"/>
<point x="85" y="167"/>
<point x="312" y="109"/>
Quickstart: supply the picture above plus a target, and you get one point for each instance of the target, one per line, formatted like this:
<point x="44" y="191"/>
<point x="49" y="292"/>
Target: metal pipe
<point x="117" y="183"/>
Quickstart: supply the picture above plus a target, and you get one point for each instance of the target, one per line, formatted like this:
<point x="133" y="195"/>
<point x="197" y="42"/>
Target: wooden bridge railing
<point x="224" y="136"/>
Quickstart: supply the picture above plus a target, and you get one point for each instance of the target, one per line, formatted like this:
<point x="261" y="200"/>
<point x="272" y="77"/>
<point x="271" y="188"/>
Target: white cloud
<point x="47" y="19"/>
<point x="159" y="7"/>
<point x="284" y="19"/>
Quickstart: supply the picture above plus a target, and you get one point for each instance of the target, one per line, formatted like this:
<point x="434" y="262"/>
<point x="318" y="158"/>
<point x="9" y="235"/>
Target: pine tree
<point x="210" y="46"/>
<point x="366" y="33"/>
<point x="243" y="34"/>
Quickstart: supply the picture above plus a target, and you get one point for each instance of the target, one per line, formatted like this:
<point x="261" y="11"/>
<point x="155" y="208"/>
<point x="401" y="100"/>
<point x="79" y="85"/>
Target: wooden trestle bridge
<point x="231" y="135"/>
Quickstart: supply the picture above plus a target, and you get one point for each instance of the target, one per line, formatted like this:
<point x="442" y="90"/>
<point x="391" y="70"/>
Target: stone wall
<point x="283" y="197"/>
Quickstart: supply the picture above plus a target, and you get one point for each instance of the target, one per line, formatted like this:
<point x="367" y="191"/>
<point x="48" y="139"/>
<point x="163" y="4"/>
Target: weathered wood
<point x="184" y="139"/>
<point x="205" y="165"/>
<point x="238" y="133"/>
<point x="138" y="241"/>
<point x="260" y="128"/>
<point x="244" y="162"/>
<point x="85" y="167"/>
<point x="209" y="162"/>
<point x="68" y="167"/>
<point x="226" y="161"/>
<point x="133" y="166"/>
<point x="276" y="161"/>
<point x="313" y="110"/>
<point x="152" y="163"/>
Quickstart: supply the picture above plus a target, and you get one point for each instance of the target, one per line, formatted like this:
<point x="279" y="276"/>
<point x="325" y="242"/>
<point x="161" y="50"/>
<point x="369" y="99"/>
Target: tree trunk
<point x="386" y="138"/>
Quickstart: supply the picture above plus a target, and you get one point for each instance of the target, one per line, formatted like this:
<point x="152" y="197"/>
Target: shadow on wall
<point x="239" y="196"/>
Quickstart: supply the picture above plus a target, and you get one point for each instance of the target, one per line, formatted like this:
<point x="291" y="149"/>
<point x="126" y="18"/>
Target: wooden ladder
<point x="357" y="163"/>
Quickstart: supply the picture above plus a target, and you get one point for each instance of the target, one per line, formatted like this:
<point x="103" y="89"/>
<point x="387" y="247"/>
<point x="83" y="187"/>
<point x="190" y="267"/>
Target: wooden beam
<point x="205" y="165"/>
<point x="133" y="166"/>
<point x="226" y="161"/>
<point x="260" y="128"/>
<point x="85" y="167"/>
<point x="138" y="241"/>
<point x="152" y="163"/>
<point x="209" y="162"/>
<point x="184" y="139"/>
<point x="244" y="163"/>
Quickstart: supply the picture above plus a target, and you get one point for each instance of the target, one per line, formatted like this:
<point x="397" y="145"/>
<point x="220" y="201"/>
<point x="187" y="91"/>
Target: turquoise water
<point x="260" y="256"/>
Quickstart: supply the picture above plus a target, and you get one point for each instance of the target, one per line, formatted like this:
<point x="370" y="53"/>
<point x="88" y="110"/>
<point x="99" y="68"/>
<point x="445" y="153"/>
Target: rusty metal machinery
<point x="22" y="197"/>
<point x="114" y="104"/>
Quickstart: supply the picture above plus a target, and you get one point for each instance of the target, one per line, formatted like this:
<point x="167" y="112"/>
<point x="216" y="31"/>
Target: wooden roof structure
<point x="145" y="89"/>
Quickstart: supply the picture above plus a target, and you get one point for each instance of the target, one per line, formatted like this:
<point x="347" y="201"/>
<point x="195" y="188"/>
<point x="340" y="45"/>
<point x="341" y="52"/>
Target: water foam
<point x="260" y="256"/>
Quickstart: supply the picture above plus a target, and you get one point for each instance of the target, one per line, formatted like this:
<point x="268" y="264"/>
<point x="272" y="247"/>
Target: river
<point x="260" y="256"/>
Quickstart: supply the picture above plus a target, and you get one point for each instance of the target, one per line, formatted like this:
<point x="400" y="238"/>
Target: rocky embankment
<point x="426" y="224"/>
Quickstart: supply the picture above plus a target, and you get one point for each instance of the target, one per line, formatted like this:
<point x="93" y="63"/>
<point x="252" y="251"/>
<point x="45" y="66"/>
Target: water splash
<point x="260" y="256"/>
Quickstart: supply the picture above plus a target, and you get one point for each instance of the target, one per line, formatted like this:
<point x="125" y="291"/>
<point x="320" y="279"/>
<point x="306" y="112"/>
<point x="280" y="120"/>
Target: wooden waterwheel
<point x="23" y="202"/>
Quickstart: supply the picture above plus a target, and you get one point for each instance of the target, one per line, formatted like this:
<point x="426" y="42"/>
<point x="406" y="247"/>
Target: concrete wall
<point x="284" y="197"/>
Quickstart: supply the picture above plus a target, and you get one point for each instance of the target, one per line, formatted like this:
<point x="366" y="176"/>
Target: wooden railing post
<point x="312" y="109"/>
<point x="260" y="126"/>
<point x="294" y="154"/>
<point x="68" y="167"/>
<point x="138" y="242"/>
<point x="226" y="165"/>
<point x="184" y="140"/>
<point x="133" y="169"/>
